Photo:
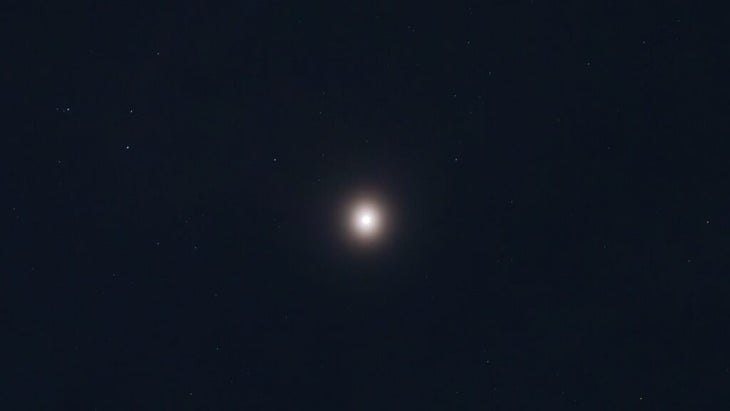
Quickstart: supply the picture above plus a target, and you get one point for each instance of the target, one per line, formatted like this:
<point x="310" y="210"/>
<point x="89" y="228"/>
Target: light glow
<point x="366" y="220"/>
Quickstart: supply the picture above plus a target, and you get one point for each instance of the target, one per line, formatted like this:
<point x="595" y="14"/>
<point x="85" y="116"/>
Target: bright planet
<point x="366" y="220"/>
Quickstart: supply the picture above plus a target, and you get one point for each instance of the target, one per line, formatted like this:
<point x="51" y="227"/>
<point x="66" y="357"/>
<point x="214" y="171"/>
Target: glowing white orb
<point x="366" y="220"/>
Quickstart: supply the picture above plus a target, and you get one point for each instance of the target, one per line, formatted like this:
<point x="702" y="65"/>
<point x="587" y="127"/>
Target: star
<point x="366" y="220"/>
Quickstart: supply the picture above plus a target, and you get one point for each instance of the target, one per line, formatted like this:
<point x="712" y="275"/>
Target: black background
<point x="173" y="176"/>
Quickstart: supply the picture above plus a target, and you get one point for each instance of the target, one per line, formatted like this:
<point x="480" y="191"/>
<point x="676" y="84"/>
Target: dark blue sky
<point x="173" y="173"/>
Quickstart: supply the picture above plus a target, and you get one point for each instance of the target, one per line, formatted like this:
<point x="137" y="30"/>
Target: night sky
<point x="177" y="182"/>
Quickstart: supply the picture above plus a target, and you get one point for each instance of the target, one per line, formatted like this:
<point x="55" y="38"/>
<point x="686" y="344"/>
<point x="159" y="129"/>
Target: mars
<point x="366" y="220"/>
